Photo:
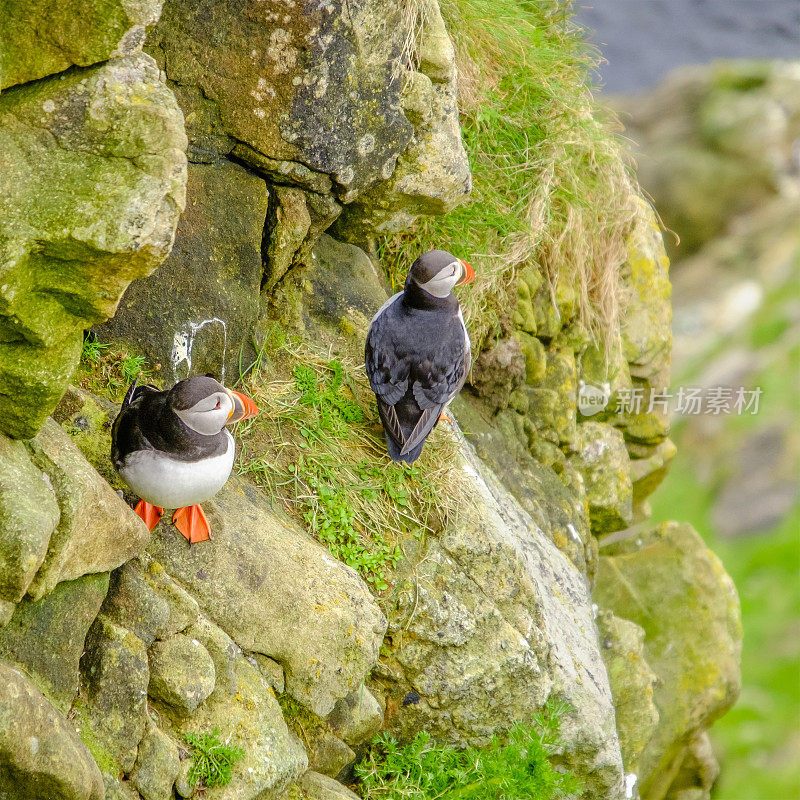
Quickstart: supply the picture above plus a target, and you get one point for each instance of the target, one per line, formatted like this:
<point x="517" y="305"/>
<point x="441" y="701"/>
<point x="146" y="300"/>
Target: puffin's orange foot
<point x="150" y="514"/>
<point x="192" y="523"/>
<point x="445" y="417"/>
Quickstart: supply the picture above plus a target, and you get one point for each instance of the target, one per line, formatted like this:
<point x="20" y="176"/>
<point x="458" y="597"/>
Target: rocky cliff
<point x="340" y="595"/>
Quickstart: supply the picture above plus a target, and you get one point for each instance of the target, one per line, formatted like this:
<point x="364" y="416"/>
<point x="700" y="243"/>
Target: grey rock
<point x="134" y="604"/>
<point x="327" y="753"/>
<point x="632" y="685"/>
<point x="182" y="607"/>
<point x="248" y="716"/>
<point x="602" y="460"/>
<point x="293" y="601"/>
<point x="40" y="38"/>
<point x="497" y="372"/>
<point x="46" y="637"/>
<point x="293" y="86"/>
<point x="646" y="579"/>
<point x="107" y="145"/>
<point x="181" y="673"/>
<point x="357" y="717"/>
<point x="29" y="514"/>
<point x="97" y="530"/>
<point x="157" y="765"/>
<point x="491" y="621"/>
<point x="345" y="287"/>
<point x="196" y="312"/>
<point x="272" y="672"/>
<point x="115" y="675"/>
<point x="432" y="174"/>
<point x="40" y="754"/>
<point x="321" y="787"/>
<point x="762" y="491"/>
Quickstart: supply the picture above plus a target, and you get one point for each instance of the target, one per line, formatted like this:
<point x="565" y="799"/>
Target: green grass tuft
<point x="518" y="769"/>
<point x="107" y="371"/>
<point x="212" y="761"/>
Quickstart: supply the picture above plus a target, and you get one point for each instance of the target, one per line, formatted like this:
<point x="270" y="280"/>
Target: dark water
<point x="643" y="39"/>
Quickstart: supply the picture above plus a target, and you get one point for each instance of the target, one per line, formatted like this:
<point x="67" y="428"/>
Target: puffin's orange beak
<point x="243" y="407"/>
<point x="469" y="274"/>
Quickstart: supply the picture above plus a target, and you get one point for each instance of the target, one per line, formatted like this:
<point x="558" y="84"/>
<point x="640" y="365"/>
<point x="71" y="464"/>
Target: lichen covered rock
<point x="277" y="592"/>
<point x="646" y="325"/>
<point x="343" y="286"/>
<point x="432" y="174"/>
<point x="668" y="582"/>
<point x="115" y="675"/>
<point x="29" y="514"/>
<point x="497" y="372"/>
<point x="603" y="462"/>
<point x="244" y="709"/>
<point x="312" y="83"/>
<point x="491" y="621"/>
<point x="90" y="193"/>
<point x="357" y="717"/>
<point x="320" y="787"/>
<point x="46" y="637"/>
<point x="632" y="682"/>
<point x="96" y="531"/>
<point x="181" y="673"/>
<point x="157" y="765"/>
<point x="40" y="753"/>
<point x="41" y="38"/>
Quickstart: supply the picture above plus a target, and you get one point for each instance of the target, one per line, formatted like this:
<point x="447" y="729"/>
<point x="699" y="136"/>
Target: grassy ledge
<point x="318" y="449"/>
<point x="550" y="185"/>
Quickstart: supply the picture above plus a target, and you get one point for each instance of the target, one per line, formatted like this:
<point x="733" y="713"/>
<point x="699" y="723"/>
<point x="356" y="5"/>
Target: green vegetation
<point x="550" y="188"/>
<point x="423" y="770"/>
<point x="212" y="761"/>
<point x="108" y="371"/>
<point x="318" y="448"/>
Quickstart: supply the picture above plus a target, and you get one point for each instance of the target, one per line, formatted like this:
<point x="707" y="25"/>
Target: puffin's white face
<point x="209" y="415"/>
<point x="442" y="283"/>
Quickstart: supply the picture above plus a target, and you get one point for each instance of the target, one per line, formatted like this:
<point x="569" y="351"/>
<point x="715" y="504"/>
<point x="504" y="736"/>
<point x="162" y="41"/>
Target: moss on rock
<point x="669" y="583"/>
<point x="46" y="637"/>
<point x="92" y="186"/>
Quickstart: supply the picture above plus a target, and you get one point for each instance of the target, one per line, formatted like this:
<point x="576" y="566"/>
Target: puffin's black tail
<point x="394" y="451"/>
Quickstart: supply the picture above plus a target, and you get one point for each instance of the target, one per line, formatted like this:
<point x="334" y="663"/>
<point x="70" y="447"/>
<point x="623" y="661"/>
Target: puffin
<point x="417" y="354"/>
<point x="171" y="447"/>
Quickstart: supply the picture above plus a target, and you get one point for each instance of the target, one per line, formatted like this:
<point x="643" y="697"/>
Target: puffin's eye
<point x="218" y="405"/>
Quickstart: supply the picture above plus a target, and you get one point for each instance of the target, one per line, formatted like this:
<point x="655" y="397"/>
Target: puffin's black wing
<point x="126" y="432"/>
<point x="135" y="393"/>
<point x="435" y="383"/>
<point x="386" y="371"/>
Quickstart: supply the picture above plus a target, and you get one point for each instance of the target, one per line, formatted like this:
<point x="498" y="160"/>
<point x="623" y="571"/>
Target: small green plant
<point x="133" y="367"/>
<point x="92" y="350"/>
<point x="212" y="761"/>
<point x="108" y="371"/>
<point x="518" y="769"/>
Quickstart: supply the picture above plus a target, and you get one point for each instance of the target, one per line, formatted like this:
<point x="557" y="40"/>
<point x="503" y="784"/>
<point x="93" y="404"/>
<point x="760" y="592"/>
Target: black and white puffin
<point x="417" y="353"/>
<point x="172" y="448"/>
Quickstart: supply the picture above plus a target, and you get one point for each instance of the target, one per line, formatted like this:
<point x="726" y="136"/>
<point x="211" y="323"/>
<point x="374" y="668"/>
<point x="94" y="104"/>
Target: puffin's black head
<point x="438" y="271"/>
<point x="204" y="405"/>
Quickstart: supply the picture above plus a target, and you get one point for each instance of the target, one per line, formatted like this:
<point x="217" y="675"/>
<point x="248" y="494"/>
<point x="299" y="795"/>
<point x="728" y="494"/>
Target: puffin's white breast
<point x="169" y="483"/>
